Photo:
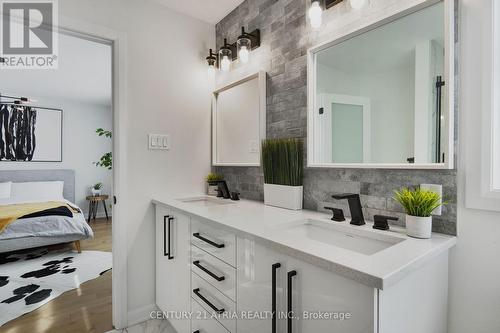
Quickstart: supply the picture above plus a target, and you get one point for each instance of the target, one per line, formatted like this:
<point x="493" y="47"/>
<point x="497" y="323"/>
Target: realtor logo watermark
<point x="29" y="39"/>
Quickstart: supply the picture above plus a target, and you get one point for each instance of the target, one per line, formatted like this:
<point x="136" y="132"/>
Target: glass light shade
<point x="315" y="13"/>
<point x="211" y="69"/>
<point x="357" y="4"/>
<point x="244" y="46"/>
<point x="225" y="56"/>
<point x="225" y="63"/>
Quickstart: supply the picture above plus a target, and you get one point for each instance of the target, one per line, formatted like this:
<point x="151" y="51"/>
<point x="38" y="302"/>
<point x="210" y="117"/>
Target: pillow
<point x="5" y="190"/>
<point x="40" y="191"/>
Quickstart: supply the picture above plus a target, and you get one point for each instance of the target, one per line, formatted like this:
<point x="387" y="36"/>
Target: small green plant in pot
<point x="96" y="189"/>
<point x="419" y="205"/>
<point x="211" y="186"/>
<point x="282" y="161"/>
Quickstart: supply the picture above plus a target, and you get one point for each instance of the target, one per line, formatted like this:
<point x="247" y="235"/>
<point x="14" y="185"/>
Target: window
<point x="480" y="102"/>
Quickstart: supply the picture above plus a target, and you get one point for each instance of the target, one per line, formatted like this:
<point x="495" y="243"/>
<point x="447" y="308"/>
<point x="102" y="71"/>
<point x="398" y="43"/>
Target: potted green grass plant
<point x="419" y="205"/>
<point x="282" y="161"/>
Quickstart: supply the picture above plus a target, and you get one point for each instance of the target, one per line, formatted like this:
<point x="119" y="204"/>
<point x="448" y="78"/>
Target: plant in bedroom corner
<point x="106" y="160"/>
<point x="211" y="188"/>
<point x="96" y="189"/>
<point x="419" y="205"/>
<point x="282" y="162"/>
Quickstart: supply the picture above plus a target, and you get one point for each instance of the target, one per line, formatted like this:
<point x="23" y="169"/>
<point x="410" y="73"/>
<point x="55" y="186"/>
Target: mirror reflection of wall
<point x="239" y="122"/>
<point x="376" y="94"/>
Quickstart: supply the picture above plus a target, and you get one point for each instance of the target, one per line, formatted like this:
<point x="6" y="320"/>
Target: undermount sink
<point x="344" y="236"/>
<point x="206" y="201"/>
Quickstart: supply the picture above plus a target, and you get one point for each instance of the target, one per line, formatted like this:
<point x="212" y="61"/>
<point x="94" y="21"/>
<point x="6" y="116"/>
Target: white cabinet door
<point x="172" y="265"/>
<point x="319" y="298"/>
<point x="256" y="265"/>
<point x="326" y="302"/>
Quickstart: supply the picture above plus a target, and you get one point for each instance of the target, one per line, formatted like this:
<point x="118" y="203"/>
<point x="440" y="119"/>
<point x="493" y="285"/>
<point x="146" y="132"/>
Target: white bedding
<point x="46" y="226"/>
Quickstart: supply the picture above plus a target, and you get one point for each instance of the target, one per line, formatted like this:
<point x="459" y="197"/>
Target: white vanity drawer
<point x="217" y="304"/>
<point x="202" y="321"/>
<point x="216" y="241"/>
<point x="216" y="272"/>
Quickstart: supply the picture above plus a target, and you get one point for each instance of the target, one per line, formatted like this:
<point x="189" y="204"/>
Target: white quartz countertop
<point x="379" y="270"/>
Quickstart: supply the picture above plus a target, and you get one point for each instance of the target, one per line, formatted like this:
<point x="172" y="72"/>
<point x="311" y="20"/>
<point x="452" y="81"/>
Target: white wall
<point x="81" y="145"/>
<point x="168" y="92"/>
<point x="475" y="264"/>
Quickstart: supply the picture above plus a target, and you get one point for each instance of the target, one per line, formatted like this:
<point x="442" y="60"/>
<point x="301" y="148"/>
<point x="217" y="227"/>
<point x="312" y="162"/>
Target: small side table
<point x="94" y="202"/>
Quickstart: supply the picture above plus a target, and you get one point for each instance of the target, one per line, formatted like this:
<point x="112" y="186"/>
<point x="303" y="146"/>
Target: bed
<point x="43" y="230"/>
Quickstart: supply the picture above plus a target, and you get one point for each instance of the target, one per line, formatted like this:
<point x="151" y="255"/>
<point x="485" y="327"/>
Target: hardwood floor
<point x="86" y="309"/>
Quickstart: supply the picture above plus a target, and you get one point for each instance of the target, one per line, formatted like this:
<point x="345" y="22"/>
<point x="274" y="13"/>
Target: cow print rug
<point x="29" y="280"/>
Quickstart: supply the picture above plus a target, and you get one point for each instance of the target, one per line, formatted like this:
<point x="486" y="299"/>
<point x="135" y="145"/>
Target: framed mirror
<point x="382" y="97"/>
<point x="239" y="121"/>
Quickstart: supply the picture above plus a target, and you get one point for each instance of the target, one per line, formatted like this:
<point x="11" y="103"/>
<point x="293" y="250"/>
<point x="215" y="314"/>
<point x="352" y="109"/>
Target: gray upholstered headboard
<point x="68" y="176"/>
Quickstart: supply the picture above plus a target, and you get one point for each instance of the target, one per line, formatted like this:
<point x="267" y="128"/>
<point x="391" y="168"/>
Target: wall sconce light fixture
<point x="212" y="61"/>
<point x="317" y="7"/>
<point x="225" y="56"/>
<point x="315" y="14"/>
<point x="239" y="49"/>
<point x="247" y="42"/>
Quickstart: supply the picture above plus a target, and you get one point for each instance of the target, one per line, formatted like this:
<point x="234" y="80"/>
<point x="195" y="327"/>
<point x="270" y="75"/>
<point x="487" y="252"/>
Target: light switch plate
<point x="253" y="146"/>
<point x="158" y="142"/>
<point x="437" y="189"/>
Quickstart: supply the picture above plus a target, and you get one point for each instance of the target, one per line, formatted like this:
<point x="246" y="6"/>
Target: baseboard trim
<point x="141" y="314"/>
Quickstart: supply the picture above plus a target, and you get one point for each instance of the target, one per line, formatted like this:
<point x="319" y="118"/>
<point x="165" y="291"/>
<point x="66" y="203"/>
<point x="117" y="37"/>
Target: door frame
<point x="323" y="134"/>
<point x="118" y="41"/>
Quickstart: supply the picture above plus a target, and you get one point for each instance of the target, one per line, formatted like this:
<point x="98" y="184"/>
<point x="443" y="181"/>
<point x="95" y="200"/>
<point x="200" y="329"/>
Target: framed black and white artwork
<point x="30" y="133"/>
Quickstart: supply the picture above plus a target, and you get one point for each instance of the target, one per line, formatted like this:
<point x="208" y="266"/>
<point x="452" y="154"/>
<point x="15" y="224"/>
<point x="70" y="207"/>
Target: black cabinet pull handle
<point x="165" y="253"/>
<point x="197" y="293"/>
<point x="206" y="240"/>
<point x="273" y="296"/>
<point x="218" y="278"/>
<point x="197" y="331"/>
<point x="169" y="254"/>
<point x="291" y="274"/>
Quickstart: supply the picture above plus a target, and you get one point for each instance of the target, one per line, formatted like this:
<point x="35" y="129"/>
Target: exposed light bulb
<point x="357" y="4"/>
<point x="244" y="54"/>
<point x="211" y="69"/>
<point x="315" y="13"/>
<point x="225" y="63"/>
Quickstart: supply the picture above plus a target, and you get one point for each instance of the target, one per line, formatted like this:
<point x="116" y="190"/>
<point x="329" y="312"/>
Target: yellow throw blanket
<point x="10" y="213"/>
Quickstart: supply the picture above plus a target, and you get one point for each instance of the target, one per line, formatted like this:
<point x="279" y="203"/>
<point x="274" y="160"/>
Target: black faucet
<point x="338" y="214"/>
<point x="381" y="222"/>
<point x="357" y="217"/>
<point x="222" y="188"/>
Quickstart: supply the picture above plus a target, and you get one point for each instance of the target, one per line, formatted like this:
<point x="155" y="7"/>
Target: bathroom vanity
<point x="224" y="266"/>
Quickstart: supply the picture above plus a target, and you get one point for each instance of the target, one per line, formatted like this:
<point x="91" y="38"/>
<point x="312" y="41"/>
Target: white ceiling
<point x="211" y="11"/>
<point x="83" y="75"/>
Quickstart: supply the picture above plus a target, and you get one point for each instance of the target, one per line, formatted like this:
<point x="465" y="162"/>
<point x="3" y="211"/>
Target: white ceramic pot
<point x="212" y="190"/>
<point x="95" y="192"/>
<point x="419" y="227"/>
<point x="289" y="197"/>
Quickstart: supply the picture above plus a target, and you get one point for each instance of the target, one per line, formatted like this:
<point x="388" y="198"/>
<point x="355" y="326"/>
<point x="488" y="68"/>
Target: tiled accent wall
<point x="286" y="36"/>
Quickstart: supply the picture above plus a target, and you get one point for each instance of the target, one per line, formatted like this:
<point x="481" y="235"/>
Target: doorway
<point x="87" y="140"/>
